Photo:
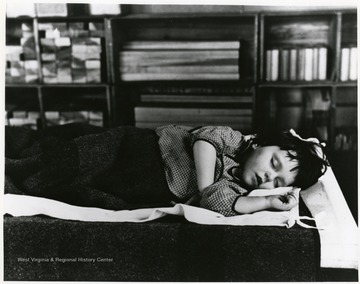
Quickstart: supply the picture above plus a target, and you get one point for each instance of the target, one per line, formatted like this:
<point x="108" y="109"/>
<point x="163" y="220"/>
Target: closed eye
<point x="279" y="182"/>
<point x="276" y="182"/>
<point x="273" y="163"/>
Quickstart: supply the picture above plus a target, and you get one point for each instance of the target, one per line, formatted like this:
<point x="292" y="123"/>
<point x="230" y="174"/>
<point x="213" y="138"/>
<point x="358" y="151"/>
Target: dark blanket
<point x="78" y="164"/>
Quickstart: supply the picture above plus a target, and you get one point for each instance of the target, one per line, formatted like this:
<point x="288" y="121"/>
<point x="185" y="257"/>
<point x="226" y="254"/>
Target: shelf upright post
<point x="37" y="48"/>
<point x="41" y="106"/>
<point x="109" y="50"/>
<point x="256" y="47"/>
<point x="261" y="49"/>
<point x="336" y="73"/>
<point x="110" y="93"/>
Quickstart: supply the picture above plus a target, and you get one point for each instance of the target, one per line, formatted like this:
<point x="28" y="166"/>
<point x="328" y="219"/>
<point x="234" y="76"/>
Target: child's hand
<point x="283" y="202"/>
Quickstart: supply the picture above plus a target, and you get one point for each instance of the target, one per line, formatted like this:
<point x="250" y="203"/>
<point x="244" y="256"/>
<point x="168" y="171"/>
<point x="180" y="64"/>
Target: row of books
<point x="206" y="89"/>
<point x="71" y="29"/>
<point x="345" y="141"/>
<point x="348" y="67"/>
<point x="151" y="117"/>
<point x="31" y="119"/>
<point x="296" y="64"/>
<point x="69" y="54"/>
<point x="21" y="60"/>
<point x="64" y="59"/>
<point x="179" y="60"/>
<point x="195" y="98"/>
<point x="95" y="118"/>
<point x="29" y="8"/>
<point x="28" y="119"/>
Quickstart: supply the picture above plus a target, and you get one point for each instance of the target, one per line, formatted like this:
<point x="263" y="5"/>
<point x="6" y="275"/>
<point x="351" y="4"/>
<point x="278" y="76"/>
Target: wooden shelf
<point x="256" y="27"/>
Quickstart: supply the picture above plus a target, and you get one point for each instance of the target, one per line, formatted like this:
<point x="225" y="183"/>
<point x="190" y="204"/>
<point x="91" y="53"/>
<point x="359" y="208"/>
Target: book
<point x="92" y="64"/>
<point x="64" y="75"/>
<point x="315" y="64"/>
<point x="353" y="64"/>
<point x="293" y="64"/>
<point x="144" y="113"/>
<point x="284" y="64"/>
<point x="62" y="41"/>
<point x="180" y="62"/>
<point x="300" y="75"/>
<point x="345" y="64"/>
<point x="174" y="98"/>
<point x="308" y="72"/>
<point x="322" y="63"/>
<point x="105" y="9"/>
<point x="158" y="57"/>
<point x="274" y="64"/>
<point x="93" y="75"/>
<point x="244" y="124"/>
<point x="51" y="9"/>
<point x="78" y="75"/>
<point x="178" y="45"/>
<point x="181" y="69"/>
<point x="178" y="76"/>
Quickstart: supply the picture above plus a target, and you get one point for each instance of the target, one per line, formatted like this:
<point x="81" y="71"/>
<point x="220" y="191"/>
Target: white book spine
<point x="353" y="64"/>
<point x="315" y="66"/>
<point x="293" y="64"/>
<point x="308" y="64"/>
<point x="274" y="65"/>
<point x="169" y="76"/>
<point x="169" y="45"/>
<point x="322" y="63"/>
<point x="345" y="64"/>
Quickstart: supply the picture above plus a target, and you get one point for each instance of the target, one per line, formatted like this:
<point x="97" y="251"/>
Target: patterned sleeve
<point x="221" y="197"/>
<point x="223" y="138"/>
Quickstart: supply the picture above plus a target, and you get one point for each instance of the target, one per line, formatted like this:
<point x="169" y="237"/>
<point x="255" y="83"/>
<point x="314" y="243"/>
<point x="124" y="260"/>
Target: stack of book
<point x="346" y="141"/>
<point x="296" y="64"/>
<point x="51" y="9"/>
<point x="348" y="67"/>
<point x="151" y="117"/>
<point x="179" y="60"/>
<point x="71" y="52"/>
<point x="31" y="9"/>
<point x="241" y="96"/>
<point x="23" y="118"/>
<point x="64" y="117"/>
<point x="21" y="63"/>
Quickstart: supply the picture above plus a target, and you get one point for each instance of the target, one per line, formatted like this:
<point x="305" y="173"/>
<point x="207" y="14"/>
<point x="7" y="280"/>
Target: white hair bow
<point x="318" y="149"/>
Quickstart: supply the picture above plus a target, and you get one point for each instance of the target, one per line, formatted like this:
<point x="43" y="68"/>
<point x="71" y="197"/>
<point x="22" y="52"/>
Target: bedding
<point x="166" y="249"/>
<point x="64" y="164"/>
<point x="22" y="205"/>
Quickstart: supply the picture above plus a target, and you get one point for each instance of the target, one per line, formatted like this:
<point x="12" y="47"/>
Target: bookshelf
<point x="198" y="80"/>
<point x="199" y="65"/>
<point x="57" y="65"/>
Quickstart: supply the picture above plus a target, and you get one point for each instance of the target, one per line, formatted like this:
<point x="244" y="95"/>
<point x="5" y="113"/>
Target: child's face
<point x="268" y="167"/>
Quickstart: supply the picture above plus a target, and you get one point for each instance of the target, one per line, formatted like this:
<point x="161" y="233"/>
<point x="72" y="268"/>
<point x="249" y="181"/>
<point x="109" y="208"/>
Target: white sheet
<point x="337" y="228"/>
<point x="339" y="234"/>
<point x="23" y="205"/>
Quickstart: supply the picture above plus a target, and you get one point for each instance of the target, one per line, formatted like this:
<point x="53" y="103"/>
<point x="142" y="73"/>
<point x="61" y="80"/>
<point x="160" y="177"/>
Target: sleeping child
<point x="214" y="167"/>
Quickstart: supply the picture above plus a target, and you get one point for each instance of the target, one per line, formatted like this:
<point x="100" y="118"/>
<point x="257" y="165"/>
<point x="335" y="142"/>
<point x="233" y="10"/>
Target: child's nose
<point x="269" y="176"/>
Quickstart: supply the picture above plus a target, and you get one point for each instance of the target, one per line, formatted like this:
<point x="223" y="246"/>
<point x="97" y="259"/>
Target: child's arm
<point x="205" y="160"/>
<point x="250" y="204"/>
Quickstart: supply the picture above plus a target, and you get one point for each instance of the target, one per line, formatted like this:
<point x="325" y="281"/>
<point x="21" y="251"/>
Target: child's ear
<point x="254" y="146"/>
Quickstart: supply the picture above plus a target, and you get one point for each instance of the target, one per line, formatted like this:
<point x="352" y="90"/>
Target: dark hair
<point x="311" y="166"/>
